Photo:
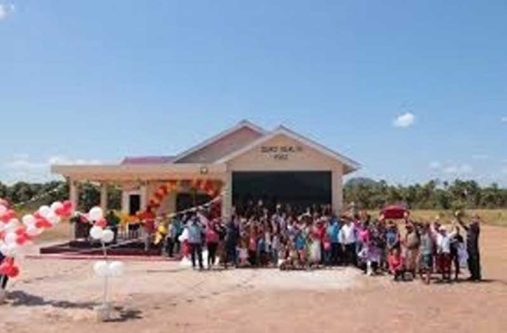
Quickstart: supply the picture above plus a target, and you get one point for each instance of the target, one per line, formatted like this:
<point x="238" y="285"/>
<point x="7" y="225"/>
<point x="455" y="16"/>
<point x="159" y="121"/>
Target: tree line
<point x="364" y="192"/>
<point x="434" y="194"/>
<point x="32" y="195"/>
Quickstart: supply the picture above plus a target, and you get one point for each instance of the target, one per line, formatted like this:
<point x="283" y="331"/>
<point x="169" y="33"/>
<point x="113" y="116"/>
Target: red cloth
<point x="211" y="235"/>
<point x="396" y="263"/>
<point x="394" y="212"/>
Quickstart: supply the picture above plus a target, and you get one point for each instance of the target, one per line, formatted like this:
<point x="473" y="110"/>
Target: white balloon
<point x="96" y="232"/>
<point x="96" y="214"/>
<point x="116" y="268"/>
<point x="107" y="236"/>
<point x="53" y="218"/>
<point x="28" y="220"/>
<point x="32" y="230"/>
<point x="101" y="268"/>
<point x="44" y="210"/>
<point x="3" y="210"/>
<point x="10" y="238"/>
<point x="9" y="250"/>
<point x="56" y="205"/>
<point x="12" y="224"/>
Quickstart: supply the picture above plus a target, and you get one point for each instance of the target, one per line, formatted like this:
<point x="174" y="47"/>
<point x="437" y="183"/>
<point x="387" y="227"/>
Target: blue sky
<point x="93" y="81"/>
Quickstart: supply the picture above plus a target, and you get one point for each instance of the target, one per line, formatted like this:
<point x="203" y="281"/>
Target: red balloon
<point x="101" y="223"/>
<point x="13" y="272"/>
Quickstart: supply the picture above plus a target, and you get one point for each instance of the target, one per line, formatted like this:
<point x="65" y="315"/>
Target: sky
<point x="412" y="90"/>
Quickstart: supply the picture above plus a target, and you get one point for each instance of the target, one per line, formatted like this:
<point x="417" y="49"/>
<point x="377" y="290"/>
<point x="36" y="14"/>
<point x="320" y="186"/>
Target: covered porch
<point x="145" y="186"/>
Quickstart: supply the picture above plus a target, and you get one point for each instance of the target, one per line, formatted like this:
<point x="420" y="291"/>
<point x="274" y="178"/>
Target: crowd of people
<point x="257" y="237"/>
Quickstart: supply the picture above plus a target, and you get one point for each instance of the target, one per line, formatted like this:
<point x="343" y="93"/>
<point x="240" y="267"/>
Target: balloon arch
<point x="210" y="187"/>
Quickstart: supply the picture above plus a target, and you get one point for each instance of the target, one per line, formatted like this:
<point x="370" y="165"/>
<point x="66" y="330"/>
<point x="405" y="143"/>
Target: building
<point x="242" y="163"/>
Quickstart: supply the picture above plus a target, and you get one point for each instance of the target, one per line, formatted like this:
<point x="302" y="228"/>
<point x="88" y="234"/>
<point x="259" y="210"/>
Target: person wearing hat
<point x="443" y="243"/>
<point x="472" y="243"/>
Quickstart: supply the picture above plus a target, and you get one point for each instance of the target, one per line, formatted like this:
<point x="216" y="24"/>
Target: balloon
<point x="28" y="220"/>
<point x="107" y="236"/>
<point x="32" y="230"/>
<point x="14" y="271"/>
<point x="96" y="232"/>
<point x="101" y="223"/>
<point x="116" y="268"/>
<point x="100" y="268"/>
<point x="56" y="206"/>
<point x="3" y="210"/>
<point x="10" y="238"/>
<point x="96" y="214"/>
<point x="44" y="210"/>
<point x="9" y="250"/>
<point x="53" y="218"/>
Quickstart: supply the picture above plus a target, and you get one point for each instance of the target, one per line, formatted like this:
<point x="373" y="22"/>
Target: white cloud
<point x="21" y="168"/>
<point x="451" y="168"/>
<point x="480" y="157"/>
<point x="6" y="10"/>
<point x="435" y="165"/>
<point x="404" y="120"/>
<point x="503" y="119"/>
<point x="457" y="169"/>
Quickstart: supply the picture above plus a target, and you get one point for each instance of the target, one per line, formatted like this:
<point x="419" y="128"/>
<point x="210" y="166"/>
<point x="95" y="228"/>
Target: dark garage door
<point x="300" y="189"/>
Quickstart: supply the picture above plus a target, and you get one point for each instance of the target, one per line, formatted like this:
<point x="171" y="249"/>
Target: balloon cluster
<point x="100" y="232"/>
<point x="108" y="269"/>
<point x="15" y="233"/>
<point x="99" y="229"/>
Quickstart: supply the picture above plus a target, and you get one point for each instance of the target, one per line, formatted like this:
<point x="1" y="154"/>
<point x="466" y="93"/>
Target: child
<point x="243" y="253"/>
<point x="396" y="264"/>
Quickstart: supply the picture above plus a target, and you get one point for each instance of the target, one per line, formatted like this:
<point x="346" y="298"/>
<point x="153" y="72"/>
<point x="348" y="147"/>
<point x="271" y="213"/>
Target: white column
<point x="103" y="196"/>
<point x="337" y="191"/>
<point x="227" y="198"/>
<point x="74" y="193"/>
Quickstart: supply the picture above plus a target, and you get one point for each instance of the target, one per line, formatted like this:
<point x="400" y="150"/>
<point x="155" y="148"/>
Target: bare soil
<point x="60" y="296"/>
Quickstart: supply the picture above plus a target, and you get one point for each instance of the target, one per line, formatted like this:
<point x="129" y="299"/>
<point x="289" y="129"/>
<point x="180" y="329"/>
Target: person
<point x="426" y="250"/>
<point x="333" y="230"/>
<point x="396" y="264"/>
<point x="443" y="242"/>
<point x="195" y="233"/>
<point x="3" y="278"/>
<point x="348" y="241"/>
<point x="212" y="239"/>
<point x="113" y="221"/>
<point x="149" y="228"/>
<point x="473" y="231"/>
<point x="411" y="243"/>
<point x="231" y="241"/>
<point x="457" y="245"/>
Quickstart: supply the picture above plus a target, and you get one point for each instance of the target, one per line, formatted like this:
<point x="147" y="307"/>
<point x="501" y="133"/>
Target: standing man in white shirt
<point x="348" y="242"/>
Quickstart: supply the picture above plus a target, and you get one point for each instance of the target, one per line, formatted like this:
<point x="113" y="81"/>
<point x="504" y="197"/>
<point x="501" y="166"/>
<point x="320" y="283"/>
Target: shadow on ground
<point x="21" y="298"/>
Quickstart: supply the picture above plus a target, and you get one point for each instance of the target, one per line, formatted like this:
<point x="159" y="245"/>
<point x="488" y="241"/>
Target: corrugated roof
<point x="138" y="160"/>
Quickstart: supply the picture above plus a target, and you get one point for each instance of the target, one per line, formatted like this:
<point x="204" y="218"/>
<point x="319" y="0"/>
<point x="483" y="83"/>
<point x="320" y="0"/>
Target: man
<point x="411" y="243"/>
<point x="348" y="240"/>
<point x="195" y="233"/>
<point x="3" y="278"/>
<point x="231" y="241"/>
<point x="474" y="259"/>
<point x="333" y="230"/>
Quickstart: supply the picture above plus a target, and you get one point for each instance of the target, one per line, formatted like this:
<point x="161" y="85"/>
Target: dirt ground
<point x="60" y="295"/>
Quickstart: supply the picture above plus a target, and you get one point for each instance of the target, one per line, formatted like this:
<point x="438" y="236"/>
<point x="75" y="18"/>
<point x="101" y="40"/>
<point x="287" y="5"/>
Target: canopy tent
<point x="394" y="212"/>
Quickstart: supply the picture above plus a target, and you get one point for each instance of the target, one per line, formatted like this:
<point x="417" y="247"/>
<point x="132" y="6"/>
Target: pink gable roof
<point x="137" y="160"/>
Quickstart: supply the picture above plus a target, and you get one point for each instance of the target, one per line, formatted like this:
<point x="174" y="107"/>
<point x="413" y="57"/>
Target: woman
<point x="212" y="239"/>
<point x="396" y="264"/>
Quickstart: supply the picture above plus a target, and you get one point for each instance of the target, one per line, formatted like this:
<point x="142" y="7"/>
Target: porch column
<point x="227" y="197"/>
<point x="74" y="193"/>
<point x="337" y="191"/>
<point x="103" y="196"/>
